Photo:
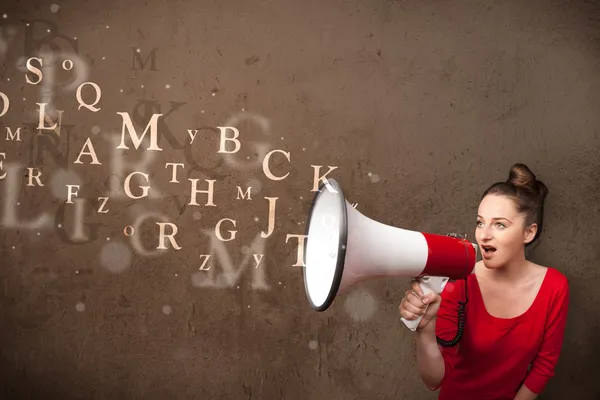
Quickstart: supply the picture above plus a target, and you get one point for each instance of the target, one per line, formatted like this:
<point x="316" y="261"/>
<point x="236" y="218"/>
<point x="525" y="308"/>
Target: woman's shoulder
<point x="555" y="295"/>
<point x="554" y="279"/>
<point x="555" y="287"/>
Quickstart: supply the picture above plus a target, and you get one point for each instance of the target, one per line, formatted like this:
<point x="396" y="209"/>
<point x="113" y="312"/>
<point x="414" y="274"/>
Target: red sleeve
<point x="542" y="368"/>
<point x="447" y="323"/>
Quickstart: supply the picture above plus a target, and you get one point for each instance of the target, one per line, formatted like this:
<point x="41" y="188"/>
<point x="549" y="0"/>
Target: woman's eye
<point x="498" y="224"/>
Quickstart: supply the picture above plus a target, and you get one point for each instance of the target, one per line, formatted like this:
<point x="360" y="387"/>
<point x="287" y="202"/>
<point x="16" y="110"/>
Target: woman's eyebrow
<point x="495" y="219"/>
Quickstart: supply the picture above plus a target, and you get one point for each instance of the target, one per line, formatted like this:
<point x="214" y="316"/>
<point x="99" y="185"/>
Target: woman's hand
<point x="415" y="304"/>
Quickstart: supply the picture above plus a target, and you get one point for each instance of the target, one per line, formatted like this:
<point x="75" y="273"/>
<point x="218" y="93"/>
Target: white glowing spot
<point x="247" y="158"/>
<point x="59" y="225"/>
<point x="313" y="344"/>
<point x="107" y="239"/>
<point x="48" y="30"/>
<point x="14" y="247"/>
<point x="19" y="203"/>
<point x="199" y="279"/>
<point x="248" y="306"/>
<point x="167" y="310"/>
<point x="75" y="38"/>
<point x="175" y="274"/>
<point x="38" y="234"/>
<point x="256" y="219"/>
<point x="181" y="354"/>
<point x="54" y="8"/>
<point x="214" y="94"/>
<point x="202" y="111"/>
<point x="80" y="307"/>
<point x="59" y="181"/>
<point x="303" y="149"/>
<point x="95" y="129"/>
<point x="238" y="286"/>
<point x="301" y="197"/>
<point x="138" y="50"/>
<point x="77" y="272"/>
<point x="197" y="215"/>
<point x="121" y="90"/>
<point x="136" y="210"/>
<point x="8" y="79"/>
<point x="24" y="99"/>
<point x="4" y="16"/>
<point x="115" y="257"/>
<point x="282" y="138"/>
<point x="106" y="26"/>
<point x="255" y="184"/>
<point x="360" y="305"/>
<point x="104" y="58"/>
<point x="298" y="223"/>
<point x="243" y="109"/>
<point x="369" y="174"/>
<point x="168" y="86"/>
<point x="142" y="86"/>
<point x="27" y="24"/>
<point x="280" y="283"/>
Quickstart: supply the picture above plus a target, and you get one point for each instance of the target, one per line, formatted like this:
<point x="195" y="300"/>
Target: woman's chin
<point x="489" y="264"/>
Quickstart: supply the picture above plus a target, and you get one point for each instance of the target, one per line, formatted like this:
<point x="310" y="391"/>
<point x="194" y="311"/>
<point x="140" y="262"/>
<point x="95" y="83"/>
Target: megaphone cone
<point x="345" y="247"/>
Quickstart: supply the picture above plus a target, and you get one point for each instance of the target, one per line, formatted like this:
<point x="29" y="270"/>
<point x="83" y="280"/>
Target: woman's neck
<point x="512" y="272"/>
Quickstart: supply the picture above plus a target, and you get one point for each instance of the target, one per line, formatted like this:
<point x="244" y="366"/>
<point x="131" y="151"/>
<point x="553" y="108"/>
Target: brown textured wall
<point x="420" y="105"/>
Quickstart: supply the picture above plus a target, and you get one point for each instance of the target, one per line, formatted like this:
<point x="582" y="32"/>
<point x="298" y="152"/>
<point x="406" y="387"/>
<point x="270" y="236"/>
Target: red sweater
<point x="497" y="355"/>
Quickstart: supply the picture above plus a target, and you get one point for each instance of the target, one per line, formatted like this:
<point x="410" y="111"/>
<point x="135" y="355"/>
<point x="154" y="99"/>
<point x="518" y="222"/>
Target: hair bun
<point x="522" y="177"/>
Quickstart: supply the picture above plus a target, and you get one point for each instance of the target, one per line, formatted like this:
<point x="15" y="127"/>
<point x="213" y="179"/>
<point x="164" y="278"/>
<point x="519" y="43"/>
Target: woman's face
<point x="500" y="231"/>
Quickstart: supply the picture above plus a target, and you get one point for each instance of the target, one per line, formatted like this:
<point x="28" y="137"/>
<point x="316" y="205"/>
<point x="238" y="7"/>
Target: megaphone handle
<point x="428" y="284"/>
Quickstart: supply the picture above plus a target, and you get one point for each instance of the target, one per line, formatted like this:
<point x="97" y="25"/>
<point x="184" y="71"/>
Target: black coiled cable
<point x="460" y="323"/>
<point x="461" y="316"/>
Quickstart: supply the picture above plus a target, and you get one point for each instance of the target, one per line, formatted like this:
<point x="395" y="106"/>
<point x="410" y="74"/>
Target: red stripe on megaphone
<point x="449" y="257"/>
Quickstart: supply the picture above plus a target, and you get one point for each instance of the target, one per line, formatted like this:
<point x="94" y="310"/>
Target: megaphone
<point x="344" y="247"/>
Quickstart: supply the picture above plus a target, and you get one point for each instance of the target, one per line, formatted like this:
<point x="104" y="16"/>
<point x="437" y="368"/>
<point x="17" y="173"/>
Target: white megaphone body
<point x="344" y="247"/>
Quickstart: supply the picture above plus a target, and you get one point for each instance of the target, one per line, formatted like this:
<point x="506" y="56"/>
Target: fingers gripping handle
<point x="428" y="284"/>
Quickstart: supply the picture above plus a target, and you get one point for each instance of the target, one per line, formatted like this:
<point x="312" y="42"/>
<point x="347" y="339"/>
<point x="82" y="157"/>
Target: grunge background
<point x="419" y="105"/>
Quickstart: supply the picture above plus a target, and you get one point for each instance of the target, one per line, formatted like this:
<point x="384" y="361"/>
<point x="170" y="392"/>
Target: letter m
<point x="10" y="135"/>
<point x="142" y="64"/>
<point x="230" y="275"/>
<point x="128" y="126"/>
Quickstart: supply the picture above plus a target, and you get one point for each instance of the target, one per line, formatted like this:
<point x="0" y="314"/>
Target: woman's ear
<point x="530" y="232"/>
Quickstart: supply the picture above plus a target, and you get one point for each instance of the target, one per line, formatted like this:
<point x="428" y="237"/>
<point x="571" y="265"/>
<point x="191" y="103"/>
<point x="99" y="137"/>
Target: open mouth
<point x="488" y="249"/>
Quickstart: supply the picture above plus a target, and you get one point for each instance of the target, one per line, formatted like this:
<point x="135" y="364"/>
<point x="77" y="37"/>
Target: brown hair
<point x="527" y="192"/>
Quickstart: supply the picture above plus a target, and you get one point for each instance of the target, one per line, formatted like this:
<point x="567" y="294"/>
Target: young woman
<point x="515" y="313"/>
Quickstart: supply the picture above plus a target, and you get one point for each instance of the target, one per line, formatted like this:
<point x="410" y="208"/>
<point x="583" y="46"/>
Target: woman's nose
<point x="486" y="232"/>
